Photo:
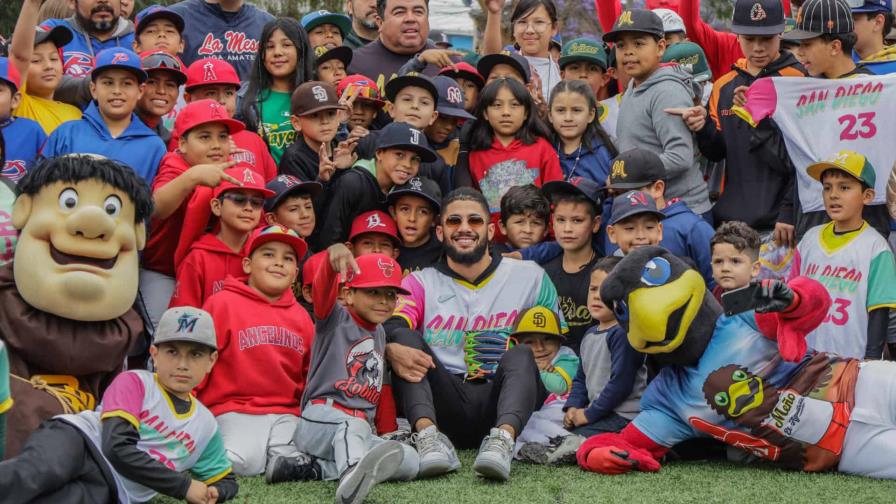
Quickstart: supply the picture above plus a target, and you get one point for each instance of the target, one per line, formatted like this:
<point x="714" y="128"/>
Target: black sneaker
<point x="292" y="468"/>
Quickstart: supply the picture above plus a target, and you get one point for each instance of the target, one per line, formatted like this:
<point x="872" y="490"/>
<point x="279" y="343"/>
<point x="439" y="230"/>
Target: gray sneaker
<point x="437" y="455"/>
<point x="495" y="454"/>
<point x="376" y="466"/>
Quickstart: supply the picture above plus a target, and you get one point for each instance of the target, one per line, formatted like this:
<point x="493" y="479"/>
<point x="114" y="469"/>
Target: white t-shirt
<point x="548" y="72"/>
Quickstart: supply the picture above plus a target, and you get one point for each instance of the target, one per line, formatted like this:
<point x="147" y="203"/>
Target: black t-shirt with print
<point x="572" y="294"/>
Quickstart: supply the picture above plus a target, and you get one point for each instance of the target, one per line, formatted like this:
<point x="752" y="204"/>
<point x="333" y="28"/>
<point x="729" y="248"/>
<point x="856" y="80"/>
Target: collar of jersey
<point x="832" y="242"/>
<point x="480" y="281"/>
<point x="167" y="395"/>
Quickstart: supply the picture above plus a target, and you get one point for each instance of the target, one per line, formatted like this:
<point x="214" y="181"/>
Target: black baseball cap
<point x="821" y="17"/>
<point x="341" y="53"/>
<point x="410" y="79"/>
<point x="634" y="203"/>
<point x="59" y="35"/>
<point x="758" y="17"/>
<point x="514" y="59"/>
<point x="403" y="136"/>
<point x="636" y="20"/>
<point x="451" y="98"/>
<point x="154" y="12"/>
<point x="634" y="169"/>
<point x="286" y="185"/>
<point x="575" y="185"/>
<point x="421" y="187"/>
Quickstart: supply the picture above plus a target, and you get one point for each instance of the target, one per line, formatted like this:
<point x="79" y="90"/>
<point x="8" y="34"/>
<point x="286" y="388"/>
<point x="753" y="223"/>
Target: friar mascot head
<point x="82" y="226"/>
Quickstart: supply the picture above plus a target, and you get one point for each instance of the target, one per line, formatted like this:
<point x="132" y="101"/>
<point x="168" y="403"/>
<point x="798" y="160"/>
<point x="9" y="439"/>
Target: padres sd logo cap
<point x="539" y="320"/>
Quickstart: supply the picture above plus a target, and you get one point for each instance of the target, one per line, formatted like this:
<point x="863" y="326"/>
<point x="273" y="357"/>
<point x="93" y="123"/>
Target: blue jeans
<point x="609" y="423"/>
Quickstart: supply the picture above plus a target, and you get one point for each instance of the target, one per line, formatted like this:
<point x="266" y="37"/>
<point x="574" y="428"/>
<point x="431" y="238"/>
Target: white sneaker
<point x="437" y="455"/>
<point x="376" y="466"/>
<point x="495" y="454"/>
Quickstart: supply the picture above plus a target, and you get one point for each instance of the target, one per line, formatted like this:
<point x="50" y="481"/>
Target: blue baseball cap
<point x="399" y="135"/>
<point x="634" y="203"/>
<point x="154" y="12"/>
<point x="314" y="19"/>
<point x="10" y="74"/>
<point x="869" y="6"/>
<point x="119" y="57"/>
<point x="451" y="98"/>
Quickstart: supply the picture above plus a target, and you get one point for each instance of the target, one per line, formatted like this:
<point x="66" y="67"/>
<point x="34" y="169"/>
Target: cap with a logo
<point x="209" y="71"/>
<point x="9" y="74"/>
<point x="451" y="98"/>
<point x="634" y="203"/>
<point x="849" y="161"/>
<point x="821" y="17"/>
<point x="309" y="269"/>
<point x="314" y="19"/>
<point x="341" y="53"/>
<point x="512" y="58"/>
<point x="286" y="185"/>
<point x="758" y="17"/>
<point x="118" y="58"/>
<point x="672" y="22"/>
<point x="869" y="6"/>
<point x="399" y="135"/>
<point x="374" y="221"/>
<point x="410" y="79"/>
<point x="153" y="12"/>
<point x="575" y="185"/>
<point x="689" y="57"/>
<point x="421" y="187"/>
<point x="538" y="320"/>
<point x="463" y="70"/>
<point x="583" y="49"/>
<point x="636" y="20"/>
<point x="314" y="96"/>
<point x="366" y="89"/>
<point x="376" y="270"/>
<point x="634" y="169"/>
<point x="159" y="60"/>
<point x="556" y="42"/>
<point x="59" y="35"/>
<point x="280" y="234"/>
<point x="250" y="180"/>
<point x="440" y="39"/>
<point x="186" y="323"/>
<point x="201" y="112"/>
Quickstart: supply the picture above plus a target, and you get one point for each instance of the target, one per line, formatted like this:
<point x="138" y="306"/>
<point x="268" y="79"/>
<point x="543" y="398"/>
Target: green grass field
<point x="697" y="482"/>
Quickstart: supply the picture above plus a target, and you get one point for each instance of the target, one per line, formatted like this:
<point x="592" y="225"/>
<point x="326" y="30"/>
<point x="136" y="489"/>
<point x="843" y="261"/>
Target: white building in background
<point x="452" y="17"/>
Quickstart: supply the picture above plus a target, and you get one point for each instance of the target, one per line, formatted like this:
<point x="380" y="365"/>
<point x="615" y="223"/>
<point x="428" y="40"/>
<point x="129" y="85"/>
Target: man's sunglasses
<point x="474" y="221"/>
<point x="240" y="200"/>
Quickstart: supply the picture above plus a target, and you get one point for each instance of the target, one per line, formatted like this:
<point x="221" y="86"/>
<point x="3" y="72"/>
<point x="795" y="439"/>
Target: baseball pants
<point x="252" y="440"/>
<point x="869" y="448"/>
<point x="339" y="440"/>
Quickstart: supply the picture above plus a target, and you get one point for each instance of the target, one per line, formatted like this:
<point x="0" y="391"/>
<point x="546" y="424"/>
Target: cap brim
<point x="561" y="336"/>
<point x="297" y="244"/>
<point x="139" y="72"/>
<point x="426" y="155"/>
<point x="228" y="186"/>
<point x="799" y="35"/>
<point x="344" y="25"/>
<point x="178" y="75"/>
<point x="394" y="195"/>
<point x="563" y="187"/>
<point x="380" y="285"/>
<point x="159" y="339"/>
<point x="310" y="187"/>
<point x="342" y="53"/>
<point x="758" y="30"/>
<point x="657" y="213"/>
<point x="613" y="36"/>
<point x="59" y="35"/>
<point x="455" y="112"/>
<point x="565" y="60"/>
<point x="486" y="63"/>
<point x="627" y="185"/>
<point x="320" y="108"/>
<point x="233" y="126"/>
<point x="397" y="84"/>
<point x="172" y="16"/>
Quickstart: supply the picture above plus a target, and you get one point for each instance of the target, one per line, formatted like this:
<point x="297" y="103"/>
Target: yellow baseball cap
<point x="849" y="161"/>
<point x="539" y="320"/>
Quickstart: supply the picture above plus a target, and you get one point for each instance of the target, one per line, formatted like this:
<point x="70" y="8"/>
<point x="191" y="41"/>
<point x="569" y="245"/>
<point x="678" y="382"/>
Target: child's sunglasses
<point x="240" y="200"/>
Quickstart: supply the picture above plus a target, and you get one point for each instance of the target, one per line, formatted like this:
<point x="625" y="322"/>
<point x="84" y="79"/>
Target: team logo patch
<point x="14" y="169"/>
<point x="248" y="176"/>
<point x="208" y="72"/>
<point x="539" y="320"/>
<point x="416" y="184"/>
<point x="320" y="94"/>
<point x="77" y="64"/>
<point x="374" y="221"/>
<point x="625" y="19"/>
<point x="288" y="180"/>
<point x="364" y="366"/>
<point x="618" y="170"/>
<point x="387" y="267"/>
<point x="637" y="199"/>
<point x="186" y="323"/>
<point x="120" y="58"/>
<point x="757" y="13"/>
<point x="454" y="95"/>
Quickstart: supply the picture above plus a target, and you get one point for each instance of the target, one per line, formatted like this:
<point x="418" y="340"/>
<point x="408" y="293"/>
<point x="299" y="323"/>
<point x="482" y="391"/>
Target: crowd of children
<point x="291" y="196"/>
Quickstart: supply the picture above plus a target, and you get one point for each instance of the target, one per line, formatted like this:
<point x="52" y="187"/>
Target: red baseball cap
<point x="463" y="70"/>
<point x="210" y="71"/>
<point x="9" y="73"/>
<point x="375" y="221"/>
<point x="202" y="112"/>
<point x="377" y="270"/>
<point x="309" y="269"/>
<point x="278" y="233"/>
<point x="251" y="180"/>
<point x="367" y="90"/>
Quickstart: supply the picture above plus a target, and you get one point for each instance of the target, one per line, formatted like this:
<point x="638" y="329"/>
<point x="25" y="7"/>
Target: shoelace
<point x="499" y="443"/>
<point x="426" y="443"/>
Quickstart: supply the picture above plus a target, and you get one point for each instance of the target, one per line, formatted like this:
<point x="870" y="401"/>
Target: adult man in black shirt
<point x="364" y="28"/>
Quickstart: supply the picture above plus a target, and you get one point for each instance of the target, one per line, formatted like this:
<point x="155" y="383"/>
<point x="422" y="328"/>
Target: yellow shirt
<point x="48" y="113"/>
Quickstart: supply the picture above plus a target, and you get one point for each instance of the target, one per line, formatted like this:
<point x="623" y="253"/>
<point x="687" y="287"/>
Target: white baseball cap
<point x="186" y="323"/>
<point x="672" y="22"/>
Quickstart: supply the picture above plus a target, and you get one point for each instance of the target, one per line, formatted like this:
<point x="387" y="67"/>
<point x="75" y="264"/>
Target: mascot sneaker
<point x="378" y="465"/>
<point x="292" y="468"/>
<point x="495" y="454"/>
<point x="437" y="455"/>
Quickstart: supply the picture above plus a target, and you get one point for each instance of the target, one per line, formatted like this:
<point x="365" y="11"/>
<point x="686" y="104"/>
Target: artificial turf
<point x="697" y="482"/>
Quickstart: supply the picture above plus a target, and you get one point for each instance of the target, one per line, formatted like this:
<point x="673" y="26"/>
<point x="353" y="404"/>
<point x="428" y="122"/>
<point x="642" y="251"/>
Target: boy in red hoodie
<point x="264" y="350"/>
<point x="345" y="379"/>
<point x="219" y="254"/>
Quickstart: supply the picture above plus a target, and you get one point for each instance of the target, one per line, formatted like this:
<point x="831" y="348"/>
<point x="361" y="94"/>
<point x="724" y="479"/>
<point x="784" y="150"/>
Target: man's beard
<point x="370" y="25"/>
<point x="98" y="26"/>
<point x="466" y="258"/>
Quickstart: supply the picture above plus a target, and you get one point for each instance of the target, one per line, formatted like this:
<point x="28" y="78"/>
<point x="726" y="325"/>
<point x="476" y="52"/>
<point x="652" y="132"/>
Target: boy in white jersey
<point x="148" y="436"/>
<point x="851" y="259"/>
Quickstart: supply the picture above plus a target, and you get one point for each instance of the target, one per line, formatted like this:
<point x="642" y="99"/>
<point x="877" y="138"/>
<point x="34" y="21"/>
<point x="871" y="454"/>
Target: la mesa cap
<point x="314" y="96"/>
<point x="155" y="11"/>
<point x="512" y="58"/>
<point x="341" y="53"/>
<point x="208" y="71"/>
<point x="120" y="58"/>
<point x="314" y="19"/>
<point x="9" y="73"/>
<point x="758" y="17"/>
<point x="421" y="187"/>
<point x="672" y="22"/>
<point x="575" y="185"/>
<point x="377" y="270"/>
<point x="634" y="203"/>
<point x="821" y="17"/>
<point x="410" y="79"/>
<point x="366" y="89"/>
<point x="399" y="135"/>
<point x="690" y="57"/>
<point x="583" y="49"/>
<point x="871" y="6"/>
<point x="278" y="233"/>
<point x="634" y="169"/>
<point x="60" y="35"/>
<point x="249" y="178"/>
<point x="539" y="320"/>
<point x="636" y="20"/>
<point x="163" y="60"/>
<point x="374" y="221"/>
<point x="849" y="161"/>
<point x="286" y="185"/>
<point x="451" y="98"/>
<point x="186" y="323"/>
<point x="201" y="112"/>
<point x="463" y="70"/>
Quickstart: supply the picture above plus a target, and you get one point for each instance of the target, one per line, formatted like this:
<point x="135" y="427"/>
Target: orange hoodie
<point x="203" y="271"/>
